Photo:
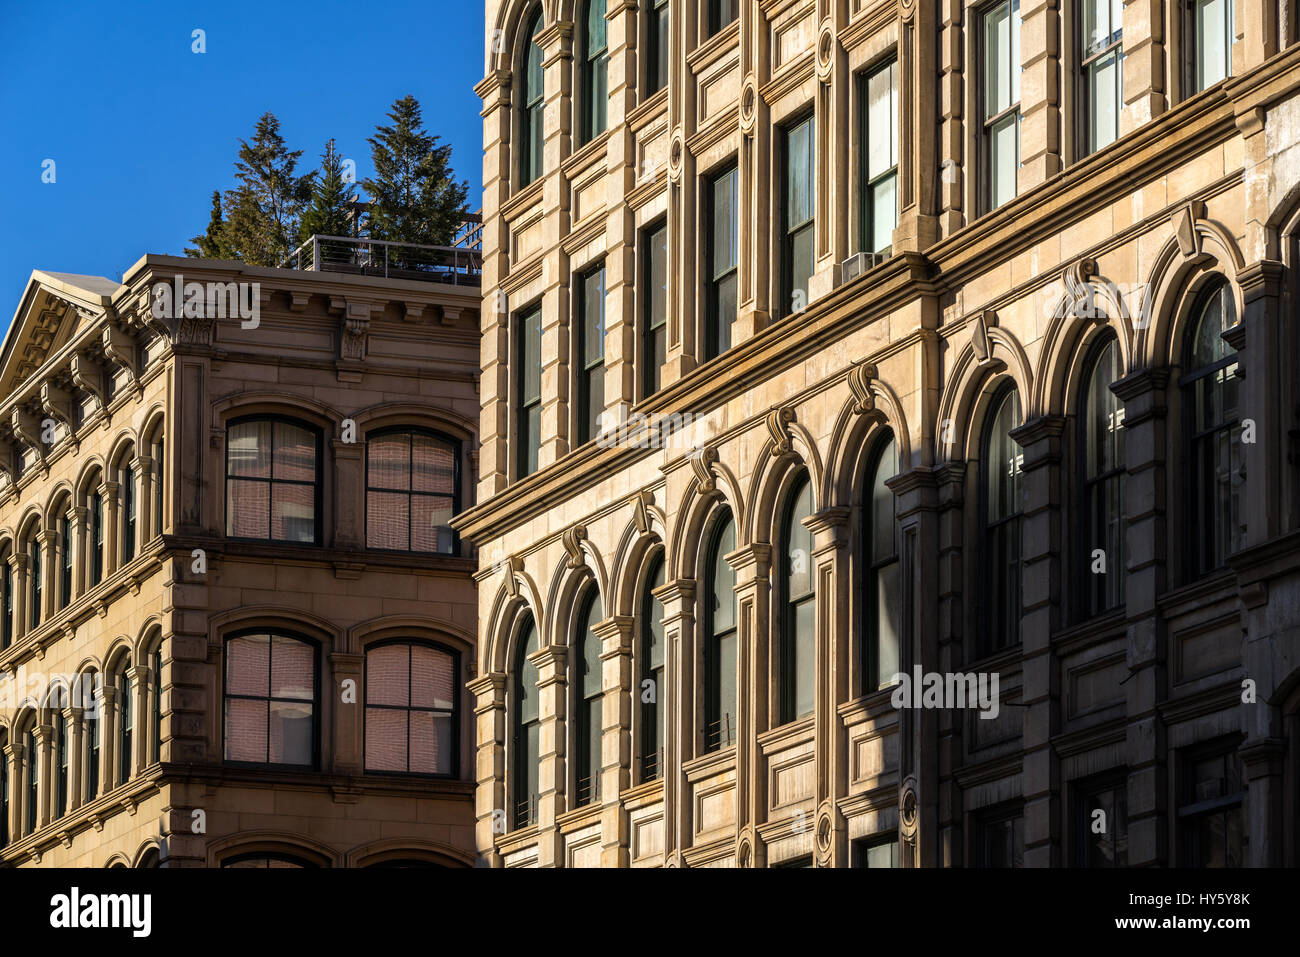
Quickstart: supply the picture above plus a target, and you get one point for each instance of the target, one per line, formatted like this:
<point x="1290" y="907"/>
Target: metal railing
<point x="458" y="265"/>
<point x="718" y="734"/>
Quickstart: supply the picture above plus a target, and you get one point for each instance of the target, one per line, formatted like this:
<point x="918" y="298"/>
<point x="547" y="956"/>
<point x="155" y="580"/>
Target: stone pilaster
<point x="680" y="733"/>
<point x="107" y="738"/>
<point x="15" y="760"/>
<point x="946" y="806"/>
<point x="76" y="790"/>
<point x="552" y="686"/>
<point x="349" y="718"/>
<point x="491" y="815"/>
<point x="349" y="492"/>
<point x="18" y="562"/>
<point x="920" y="93"/>
<point x="77" y="518"/>
<point x="45" y="784"/>
<point x="1040" y="93"/>
<point x="144" y="517"/>
<point x="1145" y="441"/>
<point x="108" y="492"/>
<point x="1146" y="95"/>
<point x="616" y="635"/>
<point x="754" y="684"/>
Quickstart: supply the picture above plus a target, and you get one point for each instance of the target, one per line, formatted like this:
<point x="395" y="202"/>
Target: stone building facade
<point x="237" y="625"/>
<point x="827" y="342"/>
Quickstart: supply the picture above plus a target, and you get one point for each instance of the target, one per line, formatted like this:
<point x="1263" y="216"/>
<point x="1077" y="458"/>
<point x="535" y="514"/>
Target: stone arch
<point x="1070" y="335"/>
<point x="1186" y="263"/>
<point x="513" y="598"/>
<point x="634" y="548"/>
<point x="966" y="397"/>
<point x="239" y="404"/>
<point x="435" y="852"/>
<point x="271" y="842"/>
<point x="774" y="477"/>
<point x="701" y="498"/>
<point x="854" y="435"/>
<point x="567" y="592"/>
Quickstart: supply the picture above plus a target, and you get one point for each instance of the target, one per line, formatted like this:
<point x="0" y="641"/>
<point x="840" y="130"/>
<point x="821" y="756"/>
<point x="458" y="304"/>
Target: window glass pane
<point x="245" y="730"/>
<point x="248" y="665"/>
<point x="431" y="743"/>
<point x="293" y="513"/>
<point x="1013" y="66"/>
<point x="727" y="689"/>
<point x="724" y="580"/>
<point x="387" y="676"/>
<point x="433" y="675"/>
<point x="293" y="669"/>
<point x="1213" y="19"/>
<point x="527" y="685"/>
<point x="387" y="520"/>
<point x="884" y="212"/>
<point x="593" y="308"/>
<point x="1004" y="461"/>
<point x="386" y="740"/>
<point x="291" y="725"/>
<point x="801" y="265"/>
<point x="531" y="345"/>
<point x="591" y="652"/>
<point x="889" y="610"/>
<point x="723" y="240"/>
<point x="295" y="453"/>
<point x="1104" y="80"/>
<point x="799" y="173"/>
<point x="799" y="544"/>
<point x="804" y="645"/>
<point x="389" y="461"/>
<point x="433" y="465"/>
<point x="882" y="505"/>
<point x="248" y="449"/>
<point x="882" y="114"/>
<point x="595" y="27"/>
<point x="654" y="628"/>
<point x="997" y="60"/>
<point x="1004" y="159"/>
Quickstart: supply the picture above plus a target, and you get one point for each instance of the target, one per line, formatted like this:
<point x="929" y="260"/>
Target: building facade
<point x="828" y="343"/>
<point x="236" y="622"/>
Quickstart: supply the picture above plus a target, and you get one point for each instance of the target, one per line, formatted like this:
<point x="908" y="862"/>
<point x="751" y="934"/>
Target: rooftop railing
<point x="459" y="265"/>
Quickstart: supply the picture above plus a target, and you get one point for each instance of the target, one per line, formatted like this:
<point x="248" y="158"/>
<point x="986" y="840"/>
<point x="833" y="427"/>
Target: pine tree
<point x="414" y="195"/>
<point x="212" y="244"/>
<point x="332" y="198"/>
<point x="264" y="210"/>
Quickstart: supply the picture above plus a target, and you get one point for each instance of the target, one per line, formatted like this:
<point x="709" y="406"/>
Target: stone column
<point x="13" y="756"/>
<point x="834" y="652"/>
<point x="1040" y="93"/>
<point x="1041" y="599"/>
<point x="349" y="505"/>
<point x="140" y="723"/>
<point x="107" y="737"/>
<point x="616" y="635"/>
<point x="919" y="517"/>
<point x="756" y="667"/>
<point x="556" y="42"/>
<point x="945" y="848"/>
<point x="349" y="716"/>
<point x="1145" y="441"/>
<point x="76" y="791"/>
<point x="144" y="501"/>
<point x="552" y="689"/>
<point x="47" y="541"/>
<point x="44" y="785"/>
<point x="109" y="490"/>
<point x="680" y="734"/>
<point x="77" y="517"/>
<point x="491" y="814"/>
<point x="18" y="562"/>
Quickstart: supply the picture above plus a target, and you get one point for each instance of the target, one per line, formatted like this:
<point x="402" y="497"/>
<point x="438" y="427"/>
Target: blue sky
<point x="142" y="129"/>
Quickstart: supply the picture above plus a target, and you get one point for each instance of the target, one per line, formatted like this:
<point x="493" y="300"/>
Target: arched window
<point x="585" y="662"/>
<point x="65" y="559"/>
<point x="1213" y="441"/>
<point x="533" y="103"/>
<point x="155" y="696"/>
<point x="412" y="485"/>
<point x="35" y="581"/>
<point x="595" y="72"/>
<point x="126" y="480"/>
<point x="882" y="591"/>
<point x="1101" y="420"/>
<point x="411" y="725"/>
<point x="1002" y="503"/>
<point x="61" y="744"/>
<point x="32" y="795"/>
<point x="270" y="700"/>
<point x="526" y="740"/>
<point x="262" y="859"/>
<point x="6" y="602"/>
<point x="720" y="637"/>
<point x="798" y="638"/>
<point x="95" y="516"/>
<point x="92" y="736"/>
<point x="273" y="480"/>
<point x="125" y="723"/>
<point x="651" y="686"/>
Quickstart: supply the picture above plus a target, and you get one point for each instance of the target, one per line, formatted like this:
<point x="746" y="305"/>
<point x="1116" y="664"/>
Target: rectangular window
<point x="1101" y="824"/>
<point x="410" y="709"/>
<point x="657" y="61"/>
<point x="272" y="474"/>
<point x="1210" y="815"/>
<point x="654" y="349"/>
<point x="1000" y="839"/>
<point x="412" y="479"/>
<point x="879" y="184"/>
<point x="270" y="700"/>
<point x="721" y="14"/>
<point x="876" y="852"/>
<point x="1103" y="61"/>
<point x="722" y="256"/>
<point x="528" y="429"/>
<point x="1212" y="29"/>
<point x="591" y="353"/>
<point x="1001" y="101"/>
<point x="798" y="214"/>
<point x="595" y="85"/>
<point x="65" y="564"/>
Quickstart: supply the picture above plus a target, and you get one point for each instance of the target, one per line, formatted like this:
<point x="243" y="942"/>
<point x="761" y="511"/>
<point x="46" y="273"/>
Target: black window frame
<point x="989" y="123"/>
<point x="651" y="330"/>
<point x="1084" y="795"/>
<point x="523" y="811"/>
<point x="95" y="515"/>
<point x="658" y="42"/>
<point x="7" y="624"/>
<point x="129" y="498"/>
<point x="586" y="708"/>
<point x="650" y="732"/>
<point x="93" y="741"/>
<point x="873" y="678"/>
<point x="867" y="183"/>
<point x="35" y="582"/>
<point x="317" y="485"/>
<point x="722" y="13"/>
<point x="125" y="729"/>
<point x="31" y="786"/>
<point x="790" y="673"/>
<point x="594" y="120"/>
<point x="790" y="230"/>
<point x="411" y="493"/>
<point x="1193" y="77"/>
<point x="455" y="712"/>
<point x="717" y="328"/>
<point x="992" y="530"/>
<point x="65" y="562"/>
<point x="589" y="407"/>
<point x="1092" y="596"/>
<point x="272" y="633"/>
<point x="60" y="734"/>
<point x="1192" y="810"/>
<point x="532" y="108"/>
<point x="717" y="736"/>
<point x="985" y="820"/>
<point x="527" y="445"/>
<point x="1089" y="59"/>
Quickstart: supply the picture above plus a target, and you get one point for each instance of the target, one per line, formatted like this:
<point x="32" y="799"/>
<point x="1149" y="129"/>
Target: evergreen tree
<point x="264" y="210"/>
<point x="212" y="244"/>
<point x="332" y="198"/>
<point x="414" y="195"/>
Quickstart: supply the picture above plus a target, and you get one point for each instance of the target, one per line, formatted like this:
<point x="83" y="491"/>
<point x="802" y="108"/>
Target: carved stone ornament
<point x="702" y="462"/>
<point x="778" y="426"/>
<point x="749" y="105"/>
<point x="826" y="50"/>
<point x="676" y="155"/>
<point x="860" y="379"/>
<point x="571" y="538"/>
